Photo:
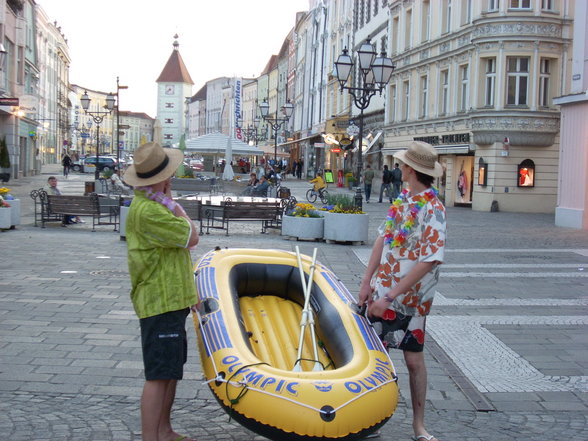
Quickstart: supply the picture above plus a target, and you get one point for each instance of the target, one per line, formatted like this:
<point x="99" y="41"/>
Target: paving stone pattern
<point x="510" y="319"/>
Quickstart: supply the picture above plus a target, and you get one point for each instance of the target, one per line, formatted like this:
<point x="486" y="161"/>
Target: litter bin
<point x="89" y="187"/>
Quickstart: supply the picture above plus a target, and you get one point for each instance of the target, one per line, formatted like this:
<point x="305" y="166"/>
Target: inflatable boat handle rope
<point x="220" y="379"/>
<point x="307" y="318"/>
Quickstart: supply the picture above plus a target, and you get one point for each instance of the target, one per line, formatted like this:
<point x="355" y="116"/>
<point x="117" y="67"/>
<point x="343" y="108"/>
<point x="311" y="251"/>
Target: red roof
<point x="175" y="70"/>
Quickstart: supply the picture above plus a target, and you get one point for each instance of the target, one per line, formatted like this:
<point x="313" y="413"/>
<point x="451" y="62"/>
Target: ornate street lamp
<point x="250" y="132"/>
<point x="276" y="122"/>
<point x="374" y="75"/>
<point x="118" y="88"/>
<point x="98" y="117"/>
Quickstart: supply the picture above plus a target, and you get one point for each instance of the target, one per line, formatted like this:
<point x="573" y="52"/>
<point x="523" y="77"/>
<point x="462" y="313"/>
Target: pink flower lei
<point x="396" y="236"/>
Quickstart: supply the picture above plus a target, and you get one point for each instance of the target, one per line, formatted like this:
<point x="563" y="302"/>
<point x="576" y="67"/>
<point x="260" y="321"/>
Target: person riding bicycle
<point x="319" y="183"/>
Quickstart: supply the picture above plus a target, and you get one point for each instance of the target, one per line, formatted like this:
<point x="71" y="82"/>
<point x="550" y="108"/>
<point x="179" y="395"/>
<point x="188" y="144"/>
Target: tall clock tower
<point x="173" y="86"/>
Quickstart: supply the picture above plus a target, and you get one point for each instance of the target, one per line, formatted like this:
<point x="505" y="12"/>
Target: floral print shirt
<point x="424" y="243"/>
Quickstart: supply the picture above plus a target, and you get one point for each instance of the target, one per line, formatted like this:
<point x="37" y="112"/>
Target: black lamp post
<point x="374" y="74"/>
<point x="118" y="88"/>
<point x="98" y="117"/>
<point x="276" y="122"/>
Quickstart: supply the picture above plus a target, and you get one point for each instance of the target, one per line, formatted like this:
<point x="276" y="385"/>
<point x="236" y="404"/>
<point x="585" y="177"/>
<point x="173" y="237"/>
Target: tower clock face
<point x="169" y="89"/>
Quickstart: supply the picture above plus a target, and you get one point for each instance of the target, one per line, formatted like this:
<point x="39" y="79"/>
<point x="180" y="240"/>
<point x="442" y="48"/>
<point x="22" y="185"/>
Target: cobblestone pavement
<point x="507" y="354"/>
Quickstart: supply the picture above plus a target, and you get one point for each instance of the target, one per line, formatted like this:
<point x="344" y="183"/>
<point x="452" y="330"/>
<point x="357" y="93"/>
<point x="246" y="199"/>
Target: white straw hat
<point x="152" y="164"/>
<point x="422" y="157"/>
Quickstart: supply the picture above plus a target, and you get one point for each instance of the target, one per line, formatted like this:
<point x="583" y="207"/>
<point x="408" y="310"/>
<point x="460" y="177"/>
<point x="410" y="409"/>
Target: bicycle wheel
<point x="324" y="196"/>
<point x="311" y="196"/>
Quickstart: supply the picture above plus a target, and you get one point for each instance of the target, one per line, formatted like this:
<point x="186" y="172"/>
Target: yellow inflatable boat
<point x="287" y="357"/>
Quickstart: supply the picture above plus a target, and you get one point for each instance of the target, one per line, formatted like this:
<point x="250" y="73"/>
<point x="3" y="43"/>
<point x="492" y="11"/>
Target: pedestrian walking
<point x="299" y="169"/>
<point x="404" y="268"/>
<point x="66" y="162"/>
<point x="386" y="181"/>
<point x="368" y="177"/>
<point x="159" y="236"/>
<point x="396" y="181"/>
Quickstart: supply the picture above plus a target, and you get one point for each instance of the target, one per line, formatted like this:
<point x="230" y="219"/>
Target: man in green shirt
<point x="159" y="236"/>
<point x="368" y="177"/>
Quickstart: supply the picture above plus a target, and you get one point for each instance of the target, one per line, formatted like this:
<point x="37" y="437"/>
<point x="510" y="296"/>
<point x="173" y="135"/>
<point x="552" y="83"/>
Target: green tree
<point x="181" y="171"/>
<point x="4" y="158"/>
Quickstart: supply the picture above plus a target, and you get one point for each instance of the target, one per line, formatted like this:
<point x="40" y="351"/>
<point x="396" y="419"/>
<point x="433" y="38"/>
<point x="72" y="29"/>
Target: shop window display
<point x="526" y="174"/>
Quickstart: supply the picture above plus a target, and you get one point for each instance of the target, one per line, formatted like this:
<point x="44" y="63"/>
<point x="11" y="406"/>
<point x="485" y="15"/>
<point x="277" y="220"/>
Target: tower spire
<point x="176" y="43"/>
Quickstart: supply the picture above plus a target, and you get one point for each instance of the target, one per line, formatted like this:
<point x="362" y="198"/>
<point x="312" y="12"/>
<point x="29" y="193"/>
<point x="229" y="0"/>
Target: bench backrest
<point x="256" y="210"/>
<point x="80" y="205"/>
<point x="192" y="207"/>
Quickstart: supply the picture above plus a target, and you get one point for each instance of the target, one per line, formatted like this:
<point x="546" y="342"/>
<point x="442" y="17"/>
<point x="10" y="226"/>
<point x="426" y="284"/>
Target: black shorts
<point x="165" y="346"/>
<point x="399" y="331"/>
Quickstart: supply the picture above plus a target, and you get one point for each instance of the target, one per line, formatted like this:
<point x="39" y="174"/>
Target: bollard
<point x="358" y="199"/>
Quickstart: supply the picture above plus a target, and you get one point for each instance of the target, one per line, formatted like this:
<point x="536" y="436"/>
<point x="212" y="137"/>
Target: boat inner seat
<point x="270" y="299"/>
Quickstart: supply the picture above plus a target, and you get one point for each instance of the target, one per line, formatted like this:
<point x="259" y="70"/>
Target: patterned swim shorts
<point x="399" y="331"/>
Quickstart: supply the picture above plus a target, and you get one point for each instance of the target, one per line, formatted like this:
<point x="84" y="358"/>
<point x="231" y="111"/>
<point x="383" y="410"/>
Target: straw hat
<point x="152" y="164"/>
<point x="422" y="157"/>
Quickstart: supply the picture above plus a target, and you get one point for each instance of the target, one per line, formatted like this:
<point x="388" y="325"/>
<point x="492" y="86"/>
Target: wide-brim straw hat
<point x="422" y="157"/>
<point x="152" y="164"/>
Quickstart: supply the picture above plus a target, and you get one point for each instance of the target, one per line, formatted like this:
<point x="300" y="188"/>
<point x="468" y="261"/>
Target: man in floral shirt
<point x="404" y="268"/>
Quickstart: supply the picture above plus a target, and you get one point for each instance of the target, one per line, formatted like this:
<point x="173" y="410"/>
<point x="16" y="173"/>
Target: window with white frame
<point x="406" y="86"/>
<point x="424" y="96"/>
<point x="394" y="46"/>
<point x="490" y="91"/>
<point x="548" y="5"/>
<point x="444" y="96"/>
<point x="544" y="77"/>
<point x="426" y="21"/>
<point x="446" y="17"/>
<point x="493" y="5"/>
<point x="517" y="81"/>
<point x="466" y="12"/>
<point x="520" y="4"/>
<point x="463" y="90"/>
<point x="408" y="29"/>
<point x="393" y="103"/>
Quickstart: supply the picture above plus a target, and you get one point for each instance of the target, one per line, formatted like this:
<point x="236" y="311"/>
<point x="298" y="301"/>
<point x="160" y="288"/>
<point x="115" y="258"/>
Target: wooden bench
<point x="90" y="205"/>
<point x="219" y="217"/>
<point x="193" y="186"/>
<point x="42" y="213"/>
<point x="193" y="209"/>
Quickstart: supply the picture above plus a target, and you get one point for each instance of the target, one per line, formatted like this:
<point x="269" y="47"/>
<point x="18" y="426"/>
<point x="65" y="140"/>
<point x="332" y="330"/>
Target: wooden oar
<point x="307" y="318"/>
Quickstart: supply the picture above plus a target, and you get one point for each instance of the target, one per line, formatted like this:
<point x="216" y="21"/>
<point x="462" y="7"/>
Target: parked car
<point x="196" y="165"/>
<point x="78" y="164"/>
<point x="105" y="163"/>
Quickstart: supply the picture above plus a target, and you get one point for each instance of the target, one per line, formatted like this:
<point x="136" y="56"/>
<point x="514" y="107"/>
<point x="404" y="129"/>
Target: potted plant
<point x="303" y="222"/>
<point x="4" y="161"/>
<point x="350" y="181"/>
<point x="344" y="222"/>
<point x="5" y="210"/>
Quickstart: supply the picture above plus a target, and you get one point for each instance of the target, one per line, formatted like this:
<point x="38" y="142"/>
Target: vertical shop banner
<point x="238" y="133"/>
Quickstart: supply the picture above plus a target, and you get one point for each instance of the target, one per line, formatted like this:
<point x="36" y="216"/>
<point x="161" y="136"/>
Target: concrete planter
<point x="346" y="227"/>
<point x="124" y="211"/>
<point x="5" y="217"/>
<point x="303" y="228"/>
<point x="14" y="212"/>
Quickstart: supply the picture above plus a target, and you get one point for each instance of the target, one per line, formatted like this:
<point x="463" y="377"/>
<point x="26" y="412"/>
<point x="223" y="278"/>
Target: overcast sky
<point x="132" y="39"/>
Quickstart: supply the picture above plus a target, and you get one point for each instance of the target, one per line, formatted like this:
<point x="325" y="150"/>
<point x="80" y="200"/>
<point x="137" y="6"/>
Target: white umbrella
<point x="217" y="143"/>
<point x="228" y="174"/>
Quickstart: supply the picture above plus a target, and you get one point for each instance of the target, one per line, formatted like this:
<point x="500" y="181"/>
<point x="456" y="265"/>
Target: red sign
<point x="336" y="150"/>
<point x="8" y="101"/>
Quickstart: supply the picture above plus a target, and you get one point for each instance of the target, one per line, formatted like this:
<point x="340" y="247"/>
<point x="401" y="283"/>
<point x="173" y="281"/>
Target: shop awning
<point x="373" y="143"/>
<point x="298" y="140"/>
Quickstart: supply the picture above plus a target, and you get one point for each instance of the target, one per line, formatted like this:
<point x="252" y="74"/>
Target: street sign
<point x="352" y="130"/>
<point x="124" y="127"/>
<point x="8" y="101"/>
<point x="84" y="135"/>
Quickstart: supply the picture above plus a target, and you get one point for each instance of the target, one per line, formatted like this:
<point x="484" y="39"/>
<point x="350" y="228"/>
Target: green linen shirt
<point x="368" y="176"/>
<point x="160" y="264"/>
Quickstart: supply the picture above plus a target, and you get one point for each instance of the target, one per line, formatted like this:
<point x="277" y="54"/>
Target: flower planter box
<point x="14" y="212"/>
<point x="303" y="228"/>
<point x="124" y="211"/>
<point x="5" y="217"/>
<point x="341" y="227"/>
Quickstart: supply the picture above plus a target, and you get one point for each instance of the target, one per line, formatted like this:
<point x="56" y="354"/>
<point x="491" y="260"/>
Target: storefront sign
<point x="452" y="138"/>
<point x="238" y="133"/>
